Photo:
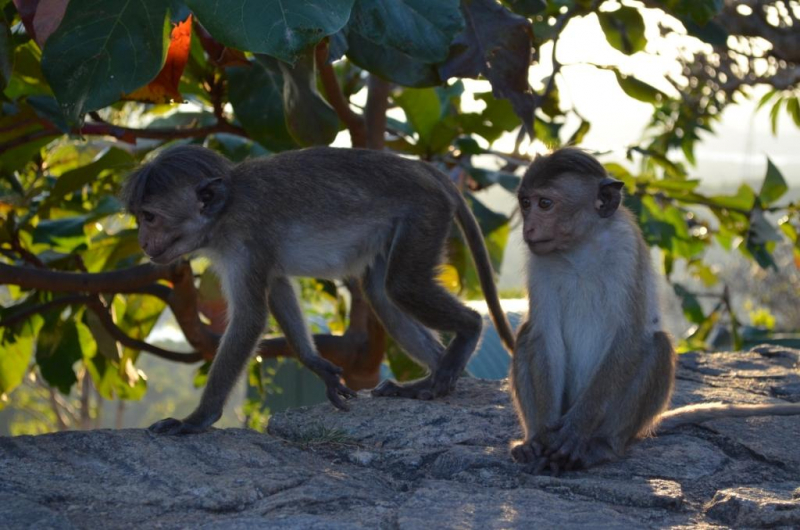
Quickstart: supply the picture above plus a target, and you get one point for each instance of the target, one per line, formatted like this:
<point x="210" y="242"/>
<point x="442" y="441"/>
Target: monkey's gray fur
<point x="592" y="370"/>
<point x="325" y="213"/>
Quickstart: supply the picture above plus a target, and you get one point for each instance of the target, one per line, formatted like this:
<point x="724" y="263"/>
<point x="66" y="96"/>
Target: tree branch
<point x="26" y="313"/>
<point x="125" y="134"/>
<point x="377" y="104"/>
<point x="120" y="336"/>
<point x="333" y="93"/>
<point x="127" y="280"/>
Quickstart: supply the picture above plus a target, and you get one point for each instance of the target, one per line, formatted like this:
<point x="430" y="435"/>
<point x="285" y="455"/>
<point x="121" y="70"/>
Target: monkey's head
<point x="564" y="197"/>
<point x="176" y="199"/>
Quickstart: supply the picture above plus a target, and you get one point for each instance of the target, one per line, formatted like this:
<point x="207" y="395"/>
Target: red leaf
<point x="27" y="11"/>
<point x="41" y="17"/>
<point x="164" y="88"/>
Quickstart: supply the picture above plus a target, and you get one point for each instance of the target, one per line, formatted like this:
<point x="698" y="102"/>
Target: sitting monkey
<point x="592" y="370"/>
<point x="324" y="213"/>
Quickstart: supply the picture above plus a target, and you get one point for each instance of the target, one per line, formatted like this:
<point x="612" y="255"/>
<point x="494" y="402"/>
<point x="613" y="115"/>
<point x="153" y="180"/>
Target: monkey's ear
<point x="609" y="196"/>
<point x="211" y="196"/>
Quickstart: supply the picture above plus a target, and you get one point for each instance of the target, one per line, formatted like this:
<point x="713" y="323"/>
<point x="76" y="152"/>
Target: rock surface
<point x="399" y="464"/>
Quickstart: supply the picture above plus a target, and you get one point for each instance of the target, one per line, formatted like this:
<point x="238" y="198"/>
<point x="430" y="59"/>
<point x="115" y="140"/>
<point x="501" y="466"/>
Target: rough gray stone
<point x="401" y="464"/>
<point x="768" y="505"/>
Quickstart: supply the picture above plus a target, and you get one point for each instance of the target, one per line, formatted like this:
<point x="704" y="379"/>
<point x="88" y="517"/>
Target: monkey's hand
<point x="336" y="391"/>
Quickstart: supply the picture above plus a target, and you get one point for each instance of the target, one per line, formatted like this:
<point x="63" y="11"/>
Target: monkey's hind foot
<point x="171" y="426"/>
<point x="421" y="389"/>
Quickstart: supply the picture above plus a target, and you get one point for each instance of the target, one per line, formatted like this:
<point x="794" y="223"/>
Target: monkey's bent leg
<point x="411" y="284"/>
<point x="537" y="392"/>
<point x="646" y="399"/>
<point x="415" y="339"/>
<point x="248" y="317"/>
<point x="284" y="306"/>
<point x="615" y="414"/>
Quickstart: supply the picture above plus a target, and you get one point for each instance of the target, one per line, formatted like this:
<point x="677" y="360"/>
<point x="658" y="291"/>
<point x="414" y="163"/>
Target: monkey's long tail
<point x="710" y="411"/>
<point x="474" y="236"/>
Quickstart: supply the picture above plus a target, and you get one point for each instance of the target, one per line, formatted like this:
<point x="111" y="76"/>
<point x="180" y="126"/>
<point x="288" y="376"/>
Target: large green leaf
<point x="498" y="117"/>
<point x="103" y="49"/>
<point x="60" y="345"/>
<point x="624" y="29"/>
<point x="711" y="32"/>
<point x="279" y="28"/>
<point x="496" y="44"/>
<point x="16" y="350"/>
<point x="112" y="158"/>
<point x="66" y="233"/>
<point x="423" y="110"/>
<point x="256" y="93"/>
<point x="420" y="29"/>
<point x="309" y="118"/>
<point x="637" y="89"/>
<point x="774" y="185"/>
<point x="390" y="64"/>
<point x="692" y="309"/>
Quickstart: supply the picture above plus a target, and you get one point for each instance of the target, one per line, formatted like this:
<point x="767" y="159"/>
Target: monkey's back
<point x="327" y="212"/>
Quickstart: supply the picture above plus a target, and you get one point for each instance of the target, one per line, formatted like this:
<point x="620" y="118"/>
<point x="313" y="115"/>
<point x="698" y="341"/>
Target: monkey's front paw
<point x="338" y="394"/>
<point x="567" y="445"/>
<point x="173" y="426"/>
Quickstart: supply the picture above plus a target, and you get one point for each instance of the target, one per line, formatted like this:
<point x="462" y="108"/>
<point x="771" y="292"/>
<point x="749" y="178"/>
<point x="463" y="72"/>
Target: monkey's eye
<point x="545" y="203"/>
<point x="148" y="217"/>
<point x="525" y="203"/>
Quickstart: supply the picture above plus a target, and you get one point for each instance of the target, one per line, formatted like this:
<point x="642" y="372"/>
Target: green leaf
<point x="103" y="49"/>
<point x="700" y="11"/>
<point x="256" y="94"/>
<point x="743" y="200"/>
<point x="774" y="185"/>
<point x="766" y="97"/>
<point x="278" y="28"/>
<point x="60" y="345"/>
<point x="309" y="118"/>
<point x="47" y="107"/>
<point x="112" y="158"/>
<point x="774" y="113"/>
<point x="580" y="132"/>
<point x="639" y="89"/>
<point x="793" y="106"/>
<point x="422" y="109"/>
<point x="711" y="32"/>
<point x="495" y="44"/>
<point x="497" y="118"/>
<point x="66" y="233"/>
<point x="419" y="29"/>
<point x="692" y="309"/>
<point x="624" y="29"/>
<point x="16" y="350"/>
<point x="391" y="64"/>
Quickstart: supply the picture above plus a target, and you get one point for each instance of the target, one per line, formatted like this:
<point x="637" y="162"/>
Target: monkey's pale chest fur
<point x="581" y="299"/>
